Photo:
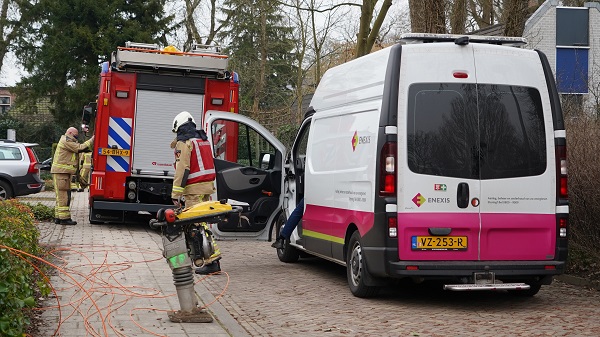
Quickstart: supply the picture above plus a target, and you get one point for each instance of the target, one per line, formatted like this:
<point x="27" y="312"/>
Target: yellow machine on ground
<point x="186" y="240"/>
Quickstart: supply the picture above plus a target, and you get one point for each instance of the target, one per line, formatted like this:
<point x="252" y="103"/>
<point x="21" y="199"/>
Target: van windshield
<point x="475" y="131"/>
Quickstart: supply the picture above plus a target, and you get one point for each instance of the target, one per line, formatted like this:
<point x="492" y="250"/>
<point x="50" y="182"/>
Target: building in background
<point x="6" y="100"/>
<point x="570" y="37"/>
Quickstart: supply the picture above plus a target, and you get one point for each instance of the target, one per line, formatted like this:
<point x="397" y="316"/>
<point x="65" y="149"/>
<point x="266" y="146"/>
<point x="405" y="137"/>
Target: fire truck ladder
<point x="203" y="59"/>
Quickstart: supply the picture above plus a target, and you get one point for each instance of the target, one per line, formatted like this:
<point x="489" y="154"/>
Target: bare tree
<point x="514" y="15"/>
<point x="367" y="34"/>
<point x="196" y="12"/>
<point x="482" y="12"/>
<point x="427" y="16"/>
<point x="458" y="17"/>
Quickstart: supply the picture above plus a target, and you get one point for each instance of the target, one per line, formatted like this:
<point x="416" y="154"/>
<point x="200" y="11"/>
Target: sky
<point x="11" y="73"/>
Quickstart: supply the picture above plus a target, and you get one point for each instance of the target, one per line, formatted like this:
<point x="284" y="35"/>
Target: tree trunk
<point x="260" y="83"/>
<point x="482" y="12"/>
<point x="458" y="17"/>
<point x="366" y="15"/>
<point x="427" y="16"/>
<point x="515" y="12"/>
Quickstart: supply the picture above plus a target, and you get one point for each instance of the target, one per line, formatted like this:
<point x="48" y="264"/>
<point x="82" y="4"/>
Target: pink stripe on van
<point x="503" y="236"/>
<point x="334" y="221"/>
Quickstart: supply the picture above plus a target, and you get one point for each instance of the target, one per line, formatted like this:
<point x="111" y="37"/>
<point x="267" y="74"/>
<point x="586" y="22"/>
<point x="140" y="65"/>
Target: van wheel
<point x="356" y="270"/>
<point x="533" y="289"/>
<point x="288" y="253"/>
<point x="5" y="191"/>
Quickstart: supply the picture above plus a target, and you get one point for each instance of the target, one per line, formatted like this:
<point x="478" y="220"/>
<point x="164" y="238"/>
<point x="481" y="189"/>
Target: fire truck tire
<point x="356" y="269"/>
<point x="94" y="222"/>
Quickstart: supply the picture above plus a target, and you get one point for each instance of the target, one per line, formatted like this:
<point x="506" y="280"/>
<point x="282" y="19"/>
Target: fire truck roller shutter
<point x="154" y="115"/>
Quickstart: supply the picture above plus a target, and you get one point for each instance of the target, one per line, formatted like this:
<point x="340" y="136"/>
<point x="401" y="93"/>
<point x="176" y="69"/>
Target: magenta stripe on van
<point x="333" y="221"/>
<point x="514" y="236"/>
<point x="503" y="236"/>
<point x="510" y="237"/>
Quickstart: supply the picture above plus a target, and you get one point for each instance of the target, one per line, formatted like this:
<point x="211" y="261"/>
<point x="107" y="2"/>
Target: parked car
<point x="19" y="169"/>
<point x="46" y="165"/>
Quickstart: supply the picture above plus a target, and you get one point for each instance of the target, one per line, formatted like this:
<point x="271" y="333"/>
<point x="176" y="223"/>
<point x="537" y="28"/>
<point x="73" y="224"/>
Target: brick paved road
<point x="311" y="298"/>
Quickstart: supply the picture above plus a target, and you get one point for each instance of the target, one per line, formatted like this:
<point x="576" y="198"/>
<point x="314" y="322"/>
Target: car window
<point x="252" y="148"/>
<point x="10" y="153"/>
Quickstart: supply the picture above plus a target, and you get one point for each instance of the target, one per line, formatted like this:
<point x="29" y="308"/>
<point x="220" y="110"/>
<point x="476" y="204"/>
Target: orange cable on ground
<point x="101" y="284"/>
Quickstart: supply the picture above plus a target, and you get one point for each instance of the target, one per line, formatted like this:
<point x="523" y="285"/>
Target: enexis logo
<point x="419" y="200"/>
<point x="356" y="140"/>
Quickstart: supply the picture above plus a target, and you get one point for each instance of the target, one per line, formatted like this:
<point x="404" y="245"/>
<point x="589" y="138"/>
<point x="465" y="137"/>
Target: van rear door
<point x="479" y="183"/>
<point x="518" y="188"/>
<point x="438" y="175"/>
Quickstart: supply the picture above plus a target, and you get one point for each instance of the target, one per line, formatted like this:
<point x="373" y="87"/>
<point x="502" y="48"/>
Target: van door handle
<point x="254" y="181"/>
<point x="462" y="195"/>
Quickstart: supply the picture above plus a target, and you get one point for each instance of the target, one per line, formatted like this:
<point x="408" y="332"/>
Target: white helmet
<point x="182" y="118"/>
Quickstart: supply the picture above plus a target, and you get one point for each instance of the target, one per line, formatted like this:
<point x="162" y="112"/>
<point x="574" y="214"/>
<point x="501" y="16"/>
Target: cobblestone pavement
<point x="265" y="297"/>
<point x="311" y="298"/>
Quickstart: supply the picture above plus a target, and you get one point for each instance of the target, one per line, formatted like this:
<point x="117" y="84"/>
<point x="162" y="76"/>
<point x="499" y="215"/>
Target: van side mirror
<point x="266" y="160"/>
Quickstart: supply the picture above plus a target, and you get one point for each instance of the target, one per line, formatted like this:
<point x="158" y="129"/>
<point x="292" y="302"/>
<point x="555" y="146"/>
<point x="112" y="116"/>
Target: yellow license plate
<point x="439" y="243"/>
<point x="114" y="152"/>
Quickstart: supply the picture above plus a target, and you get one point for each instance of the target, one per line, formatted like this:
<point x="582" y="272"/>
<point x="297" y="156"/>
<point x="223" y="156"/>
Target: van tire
<point x="356" y="270"/>
<point x="288" y="253"/>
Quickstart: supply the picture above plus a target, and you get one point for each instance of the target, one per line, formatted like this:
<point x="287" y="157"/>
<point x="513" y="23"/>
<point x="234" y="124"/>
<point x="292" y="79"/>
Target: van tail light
<point x="387" y="180"/>
<point x="393" y="227"/>
<point x="563" y="223"/>
<point x="34" y="167"/>
<point x="561" y="173"/>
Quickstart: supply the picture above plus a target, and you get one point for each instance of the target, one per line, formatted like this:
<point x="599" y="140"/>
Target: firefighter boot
<point x="213" y="267"/>
<point x="67" y="222"/>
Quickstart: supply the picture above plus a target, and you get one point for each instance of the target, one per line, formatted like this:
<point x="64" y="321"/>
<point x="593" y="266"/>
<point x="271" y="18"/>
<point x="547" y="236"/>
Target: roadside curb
<point x="578" y="281"/>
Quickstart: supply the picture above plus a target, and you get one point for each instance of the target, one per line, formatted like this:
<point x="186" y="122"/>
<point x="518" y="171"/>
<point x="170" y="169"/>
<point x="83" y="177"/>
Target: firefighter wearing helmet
<point x="194" y="174"/>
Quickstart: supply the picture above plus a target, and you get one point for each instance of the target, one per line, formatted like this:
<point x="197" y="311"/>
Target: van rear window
<point x="475" y="131"/>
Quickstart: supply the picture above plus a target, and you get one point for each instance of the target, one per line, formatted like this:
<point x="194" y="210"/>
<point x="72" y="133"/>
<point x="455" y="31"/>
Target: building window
<point x="4" y="104"/>
<point x="572" y="50"/>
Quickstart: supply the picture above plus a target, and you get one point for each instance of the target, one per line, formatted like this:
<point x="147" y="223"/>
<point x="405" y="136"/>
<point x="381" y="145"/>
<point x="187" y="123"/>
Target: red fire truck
<point x="141" y="90"/>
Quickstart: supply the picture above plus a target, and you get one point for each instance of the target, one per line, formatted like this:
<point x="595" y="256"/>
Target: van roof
<point x="462" y="39"/>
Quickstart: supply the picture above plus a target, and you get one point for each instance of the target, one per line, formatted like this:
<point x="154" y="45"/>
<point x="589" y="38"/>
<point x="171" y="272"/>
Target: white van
<point x="443" y="158"/>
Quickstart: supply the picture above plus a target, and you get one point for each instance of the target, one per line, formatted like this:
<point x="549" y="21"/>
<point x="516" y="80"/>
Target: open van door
<point x="254" y="180"/>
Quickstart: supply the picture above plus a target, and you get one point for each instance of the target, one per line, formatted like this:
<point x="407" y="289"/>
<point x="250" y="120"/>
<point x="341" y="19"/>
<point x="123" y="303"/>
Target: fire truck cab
<point x="141" y="90"/>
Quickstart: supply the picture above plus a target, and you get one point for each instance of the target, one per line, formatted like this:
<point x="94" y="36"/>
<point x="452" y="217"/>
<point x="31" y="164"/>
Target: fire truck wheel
<point x="94" y="222"/>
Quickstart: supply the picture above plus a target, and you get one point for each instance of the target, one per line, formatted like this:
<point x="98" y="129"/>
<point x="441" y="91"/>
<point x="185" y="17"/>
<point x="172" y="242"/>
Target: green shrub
<point x="583" y="144"/>
<point x="49" y="186"/>
<point x="42" y="212"/>
<point x="18" y="283"/>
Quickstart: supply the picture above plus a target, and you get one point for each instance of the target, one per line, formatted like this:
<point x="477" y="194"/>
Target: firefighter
<point x="85" y="166"/>
<point x="64" y="164"/>
<point x="194" y="174"/>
